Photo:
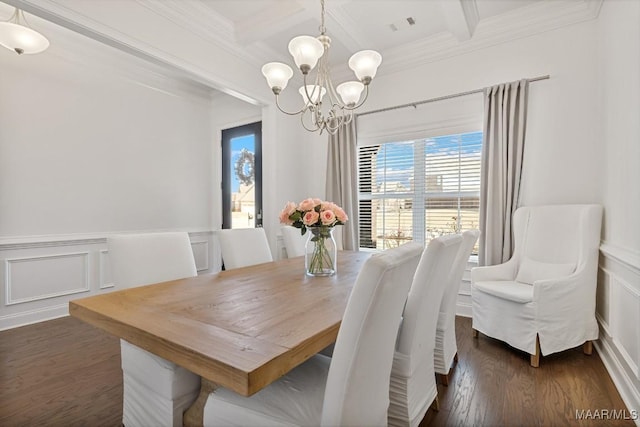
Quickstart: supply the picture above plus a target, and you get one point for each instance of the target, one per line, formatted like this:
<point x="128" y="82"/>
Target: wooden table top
<point x="241" y="329"/>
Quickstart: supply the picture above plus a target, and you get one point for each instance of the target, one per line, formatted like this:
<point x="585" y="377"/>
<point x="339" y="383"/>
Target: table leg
<point x="193" y="417"/>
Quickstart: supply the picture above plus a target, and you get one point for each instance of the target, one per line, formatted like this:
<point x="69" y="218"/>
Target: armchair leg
<point x="444" y="379"/>
<point x="475" y="333"/>
<point x="455" y="357"/>
<point x="587" y="347"/>
<point x="535" y="358"/>
<point x="436" y="404"/>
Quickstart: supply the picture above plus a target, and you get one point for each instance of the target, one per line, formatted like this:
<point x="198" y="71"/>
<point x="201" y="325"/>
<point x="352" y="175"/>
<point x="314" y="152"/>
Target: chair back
<point x="416" y="339"/>
<point x="242" y="247"/>
<point x="294" y="241"/>
<point x="449" y="299"/>
<point x="357" y="391"/>
<point x="142" y="259"/>
<point x="557" y="233"/>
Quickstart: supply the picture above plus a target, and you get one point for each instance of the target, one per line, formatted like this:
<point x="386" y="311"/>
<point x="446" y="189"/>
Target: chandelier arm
<point x="317" y="86"/>
<point x="305" y="126"/>
<point x="346" y="117"/>
<point x="335" y="99"/>
<point x="14" y="17"/>
<point x="287" y="112"/>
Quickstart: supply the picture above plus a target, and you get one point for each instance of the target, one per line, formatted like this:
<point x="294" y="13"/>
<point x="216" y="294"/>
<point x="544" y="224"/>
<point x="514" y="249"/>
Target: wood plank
<point x="66" y="372"/>
<point x="241" y="329"/>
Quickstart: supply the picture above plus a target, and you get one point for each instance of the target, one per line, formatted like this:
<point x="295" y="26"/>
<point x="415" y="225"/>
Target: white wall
<point x="86" y="148"/>
<point x="92" y="142"/>
<point x="619" y="274"/>
<point x="562" y="110"/>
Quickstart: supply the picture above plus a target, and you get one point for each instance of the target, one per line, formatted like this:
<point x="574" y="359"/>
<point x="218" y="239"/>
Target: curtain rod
<point x="440" y="98"/>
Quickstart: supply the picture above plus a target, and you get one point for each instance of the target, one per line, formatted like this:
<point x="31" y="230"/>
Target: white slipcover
<point x="294" y="241"/>
<point x="446" y="346"/>
<point x="560" y="310"/>
<point x="350" y="389"/>
<point x="242" y="247"/>
<point x="156" y="391"/>
<point x="413" y="386"/>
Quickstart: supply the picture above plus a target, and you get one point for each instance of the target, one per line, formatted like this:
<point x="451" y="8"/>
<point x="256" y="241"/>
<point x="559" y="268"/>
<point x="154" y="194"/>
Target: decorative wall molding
<point x="618" y="314"/>
<point x="73" y="264"/>
<point x="626" y="257"/>
<point x="201" y="254"/>
<point x="12" y="283"/>
<point x="624" y="382"/>
<point x="103" y="266"/>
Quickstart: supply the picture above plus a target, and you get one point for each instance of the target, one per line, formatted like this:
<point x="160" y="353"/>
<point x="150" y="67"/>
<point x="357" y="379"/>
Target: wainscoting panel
<point x="464" y="294"/>
<point x="105" y="270"/>
<point x="618" y="313"/>
<point x="42" y="274"/>
<point x="43" y="277"/>
<point x="201" y="254"/>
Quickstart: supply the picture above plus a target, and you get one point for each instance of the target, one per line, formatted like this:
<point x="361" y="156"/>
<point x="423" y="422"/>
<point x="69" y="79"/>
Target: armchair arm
<point x="568" y="299"/>
<point x="506" y="271"/>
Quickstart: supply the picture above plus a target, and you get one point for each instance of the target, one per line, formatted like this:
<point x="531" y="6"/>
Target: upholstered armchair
<point x="543" y="299"/>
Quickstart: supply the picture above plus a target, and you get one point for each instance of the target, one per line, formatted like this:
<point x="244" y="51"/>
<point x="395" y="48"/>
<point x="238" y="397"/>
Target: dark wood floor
<point x="66" y="373"/>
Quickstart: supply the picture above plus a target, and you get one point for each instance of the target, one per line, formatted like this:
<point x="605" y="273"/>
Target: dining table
<point x="240" y="329"/>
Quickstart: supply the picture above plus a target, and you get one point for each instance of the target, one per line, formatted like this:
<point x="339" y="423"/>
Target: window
<point x="418" y="190"/>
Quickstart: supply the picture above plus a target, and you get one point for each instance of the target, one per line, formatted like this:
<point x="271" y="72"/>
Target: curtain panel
<point x="505" y="113"/>
<point x="342" y="180"/>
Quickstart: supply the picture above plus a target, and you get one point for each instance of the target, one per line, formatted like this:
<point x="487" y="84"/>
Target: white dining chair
<point x="156" y="391"/>
<point x="413" y="386"/>
<point x="294" y="241"/>
<point x="350" y="389"/>
<point x="446" y="349"/>
<point x="241" y="247"/>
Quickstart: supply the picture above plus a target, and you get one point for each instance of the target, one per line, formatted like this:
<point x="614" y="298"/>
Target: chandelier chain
<point x="322" y="28"/>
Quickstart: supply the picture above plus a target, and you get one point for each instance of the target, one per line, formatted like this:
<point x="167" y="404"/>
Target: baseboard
<point x="463" y="310"/>
<point x="30" y="317"/>
<point x="623" y="382"/>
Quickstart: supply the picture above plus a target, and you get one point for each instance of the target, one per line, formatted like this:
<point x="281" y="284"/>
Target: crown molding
<point x="523" y="22"/>
<point x="202" y="21"/>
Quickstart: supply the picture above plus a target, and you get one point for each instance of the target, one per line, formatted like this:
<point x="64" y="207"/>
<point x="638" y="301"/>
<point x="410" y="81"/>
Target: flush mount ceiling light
<point x="307" y="51"/>
<point x="16" y="35"/>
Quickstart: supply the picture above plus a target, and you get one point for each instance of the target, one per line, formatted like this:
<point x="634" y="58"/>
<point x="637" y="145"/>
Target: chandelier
<point x="16" y="35"/>
<point x="307" y="51"/>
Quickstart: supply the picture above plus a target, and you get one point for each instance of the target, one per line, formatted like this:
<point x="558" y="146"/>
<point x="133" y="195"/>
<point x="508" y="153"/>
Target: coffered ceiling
<point x="252" y="32"/>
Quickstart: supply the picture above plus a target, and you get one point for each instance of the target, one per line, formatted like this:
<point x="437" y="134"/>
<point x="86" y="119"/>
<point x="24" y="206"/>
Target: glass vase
<point x="320" y="252"/>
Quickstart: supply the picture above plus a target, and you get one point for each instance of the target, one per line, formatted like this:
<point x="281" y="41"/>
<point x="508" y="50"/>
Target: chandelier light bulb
<point x="350" y="92"/>
<point x="19" y="38"/>
<point x="315" y="94"/>
<point x="365" y="64"/>
<point x="277" y="75"/>
<point x="306" y="52"/>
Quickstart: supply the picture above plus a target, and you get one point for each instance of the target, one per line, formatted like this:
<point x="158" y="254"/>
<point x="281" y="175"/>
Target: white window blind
<point x="419" y="189"/>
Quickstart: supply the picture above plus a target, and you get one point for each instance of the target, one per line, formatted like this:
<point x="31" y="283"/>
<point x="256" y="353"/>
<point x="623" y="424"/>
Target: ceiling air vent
<point x="402" y="24"/>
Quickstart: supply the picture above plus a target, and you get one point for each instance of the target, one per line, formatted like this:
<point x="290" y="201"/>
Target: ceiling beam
<point x="462" y="17"/>
<point x="272" y="19"/>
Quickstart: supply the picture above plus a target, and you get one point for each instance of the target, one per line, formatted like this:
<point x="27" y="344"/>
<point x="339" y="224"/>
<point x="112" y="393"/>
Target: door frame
<point x="254" y="128"/>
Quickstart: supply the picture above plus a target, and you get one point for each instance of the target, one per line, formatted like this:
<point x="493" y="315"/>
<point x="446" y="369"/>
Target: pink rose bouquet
<point x="312" y="212"/>
<point x="319" y="216"/>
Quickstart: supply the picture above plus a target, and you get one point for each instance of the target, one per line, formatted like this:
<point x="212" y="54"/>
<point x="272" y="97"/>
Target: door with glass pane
<point x="242" y="176"/>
